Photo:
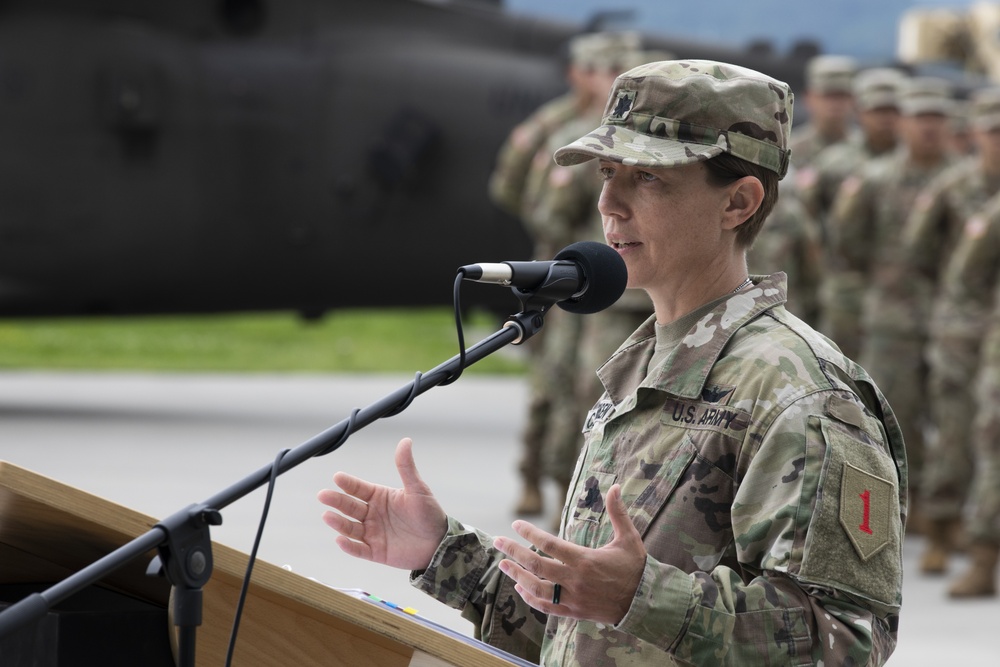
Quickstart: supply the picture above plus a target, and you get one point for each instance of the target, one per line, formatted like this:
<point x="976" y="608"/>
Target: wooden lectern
<point x="49" y="530"/>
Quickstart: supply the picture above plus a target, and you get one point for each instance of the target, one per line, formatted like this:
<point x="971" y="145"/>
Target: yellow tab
<point x="865" y="506"/>
<point x="410" y="610"/>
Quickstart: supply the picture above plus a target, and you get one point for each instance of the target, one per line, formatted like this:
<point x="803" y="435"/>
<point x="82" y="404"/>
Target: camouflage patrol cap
<point x="636" y="58"/>
<point x="878" y="88"/>
<point x="677" y="112"/>
<point x="985" y="110"/>
<point x="830" y="74"/>
<point x="925" y="95"/>
<point x="603" y="49"/>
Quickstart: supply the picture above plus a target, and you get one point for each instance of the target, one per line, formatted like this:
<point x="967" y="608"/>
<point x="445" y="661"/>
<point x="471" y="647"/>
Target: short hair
<point x="725" y="169"/>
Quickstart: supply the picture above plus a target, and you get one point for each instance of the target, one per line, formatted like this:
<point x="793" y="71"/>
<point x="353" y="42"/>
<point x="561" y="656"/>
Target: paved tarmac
<point x="157" y="443"/>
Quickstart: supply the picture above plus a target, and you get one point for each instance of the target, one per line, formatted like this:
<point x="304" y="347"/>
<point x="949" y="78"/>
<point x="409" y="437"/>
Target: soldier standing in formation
<point x="867" y="223"/>
<point x="876" y="101"/>
<point x="518" y="185"/>
<point x="558" y="206"/>
<point x="971" y="281"/>
<point x="829" y="103"/>
<point x="952" y="353"/>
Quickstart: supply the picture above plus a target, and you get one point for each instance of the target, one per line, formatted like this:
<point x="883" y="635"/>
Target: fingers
<point x="407" y="468"/>
<point x="618" y="513"/>
<point x="356" y="549"/>
<point x="354" y="486"/>
<point x="539" y="593"/>
<point x="525" y="558"/>
<point x="533" y="573"/>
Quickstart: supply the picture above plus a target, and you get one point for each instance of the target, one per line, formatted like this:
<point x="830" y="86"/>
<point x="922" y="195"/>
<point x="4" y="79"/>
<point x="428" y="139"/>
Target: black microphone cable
<point x="253" y="557"/>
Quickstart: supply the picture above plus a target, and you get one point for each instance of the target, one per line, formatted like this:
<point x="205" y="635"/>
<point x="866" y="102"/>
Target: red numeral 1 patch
<point x="865" y="506"/>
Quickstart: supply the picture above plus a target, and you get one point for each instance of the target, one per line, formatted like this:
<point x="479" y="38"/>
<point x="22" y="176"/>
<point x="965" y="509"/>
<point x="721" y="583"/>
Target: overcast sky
<point x="863" y="28"/>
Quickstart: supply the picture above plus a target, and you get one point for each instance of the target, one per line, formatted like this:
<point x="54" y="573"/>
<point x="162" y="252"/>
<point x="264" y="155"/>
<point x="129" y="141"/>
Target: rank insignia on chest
<point x="865" y="507"/>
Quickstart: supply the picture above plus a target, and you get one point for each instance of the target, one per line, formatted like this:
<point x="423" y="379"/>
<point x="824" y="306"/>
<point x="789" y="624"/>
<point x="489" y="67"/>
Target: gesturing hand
<point x="397" y="527"/>
<point x="595" y="584"/>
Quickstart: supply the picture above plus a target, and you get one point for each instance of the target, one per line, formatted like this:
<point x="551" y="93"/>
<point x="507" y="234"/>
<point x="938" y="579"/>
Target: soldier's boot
<point x="531" y="503"/>
<point x="940" y="533"/>
<point x="981" y="578"/>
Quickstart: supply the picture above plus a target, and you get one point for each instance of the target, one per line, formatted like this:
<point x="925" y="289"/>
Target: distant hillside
<point x="862" y="28"/>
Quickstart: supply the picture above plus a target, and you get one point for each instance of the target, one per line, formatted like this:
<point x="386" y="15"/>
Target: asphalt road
<point x="157" y="443"/>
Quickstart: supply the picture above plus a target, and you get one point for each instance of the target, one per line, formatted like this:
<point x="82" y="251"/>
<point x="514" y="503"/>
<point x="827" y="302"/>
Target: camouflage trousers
<point x="840" y="297"/>
<point x="983" y="520"/>
<point x="896" y="362"/>
<point x="952" y="361"/>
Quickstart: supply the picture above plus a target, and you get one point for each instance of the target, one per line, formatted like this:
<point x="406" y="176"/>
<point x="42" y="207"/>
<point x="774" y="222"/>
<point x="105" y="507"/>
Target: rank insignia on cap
<point x="623" y="105"/>
<point x="865" y="507"/>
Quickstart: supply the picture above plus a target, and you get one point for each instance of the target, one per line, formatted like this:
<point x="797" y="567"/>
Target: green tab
<point x="865" y="506"/>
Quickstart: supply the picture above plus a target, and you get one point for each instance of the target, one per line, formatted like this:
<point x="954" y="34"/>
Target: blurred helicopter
<point x="232" y="155"/>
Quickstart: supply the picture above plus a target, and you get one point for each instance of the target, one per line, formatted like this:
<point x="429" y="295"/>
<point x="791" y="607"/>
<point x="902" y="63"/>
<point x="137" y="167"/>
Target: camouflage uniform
<point x="747" y="459"/>
<point x="931" y="233"/>
<point x="824" y="75"/>
<point x="604" y="331"/>
<point x="507" y="182"/>
<point x="868" y="221"/>
<point x="973" y="276"/>
<point x="790" y="241"/>
<point x="511" y="188"/>
<point x="763" y="469"/>
<point x="557" y="206"/>
<point x="840" y="293"/>
<point x="969" y="293"/>
<point x="563" y="203"/>
<point x="818" y="183"/>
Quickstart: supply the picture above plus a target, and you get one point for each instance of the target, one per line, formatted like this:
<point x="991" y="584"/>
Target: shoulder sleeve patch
<point x="865" y="506"/>
<point x="855" y="532"/>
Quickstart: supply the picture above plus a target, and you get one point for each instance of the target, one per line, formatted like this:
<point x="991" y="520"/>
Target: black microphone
<point x="585" y="277"/>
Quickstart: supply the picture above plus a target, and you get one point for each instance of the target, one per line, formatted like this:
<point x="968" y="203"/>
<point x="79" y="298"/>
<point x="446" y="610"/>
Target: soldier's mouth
<point x="620" y="246"/>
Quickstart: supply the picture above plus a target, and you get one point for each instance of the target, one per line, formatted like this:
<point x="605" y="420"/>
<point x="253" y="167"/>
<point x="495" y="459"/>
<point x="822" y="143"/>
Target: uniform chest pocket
<point x="648" y="480"/>
<point x="587" y="508"/>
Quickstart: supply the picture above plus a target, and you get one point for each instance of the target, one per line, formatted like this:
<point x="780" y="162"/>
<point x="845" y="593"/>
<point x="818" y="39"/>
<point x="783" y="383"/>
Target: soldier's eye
<point x="646" y="176"/>
<point x="606" y="172"/>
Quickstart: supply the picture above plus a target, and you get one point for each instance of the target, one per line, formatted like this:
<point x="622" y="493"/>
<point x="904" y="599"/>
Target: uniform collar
<point x="687" y="367"/>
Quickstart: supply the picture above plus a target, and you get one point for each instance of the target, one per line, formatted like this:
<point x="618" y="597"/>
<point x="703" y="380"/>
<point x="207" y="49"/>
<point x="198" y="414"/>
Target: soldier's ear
<point x="745" y="197"/>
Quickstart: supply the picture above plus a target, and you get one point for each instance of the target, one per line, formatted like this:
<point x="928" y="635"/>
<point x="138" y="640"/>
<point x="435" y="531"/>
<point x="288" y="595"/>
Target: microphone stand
<point x="182" y="540"/>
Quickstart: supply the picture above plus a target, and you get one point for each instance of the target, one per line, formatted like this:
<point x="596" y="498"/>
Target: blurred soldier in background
<point x="553" y="217"/>
<point x="829" y="102"/>
<point x="876" y="101"/>
<point x="506" y="185"/>
<point x="867" y="222"/>
<point x="877" y="110"/>
<point x="952" y="354"/>
<point x="568" y="201"/>
<point x="605" y="331"/>
<point x="970" y="289"/>
<point x="791" y="241"/>
<point x="961" y="129"/>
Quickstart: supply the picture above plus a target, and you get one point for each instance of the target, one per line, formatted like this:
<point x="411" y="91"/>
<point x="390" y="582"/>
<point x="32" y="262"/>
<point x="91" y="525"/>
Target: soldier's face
<point x="830" y="111"/>
<point x="880" y="124"/>
<point x="926" y="134"/>
<point x="660" y="220"/>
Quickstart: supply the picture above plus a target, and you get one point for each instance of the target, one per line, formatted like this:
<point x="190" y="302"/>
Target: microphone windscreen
<point x="605" y="274"/>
